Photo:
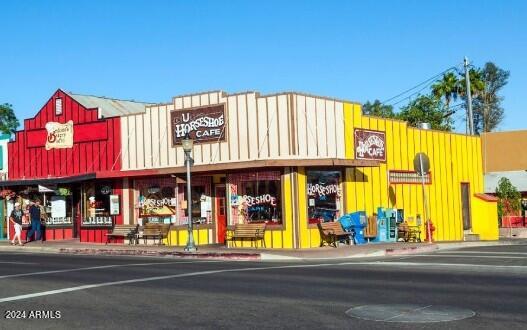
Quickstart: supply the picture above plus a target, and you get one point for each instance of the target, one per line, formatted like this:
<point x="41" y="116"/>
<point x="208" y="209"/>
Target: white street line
<point x="18" y="263"/>
<point x="463" y="256"/>
<point x="209" y="272"/>
<point x="101" y="267"/>
<point x="148" y="279"/>
<point x="482" y="252"/>
<point x="434" y="264"/>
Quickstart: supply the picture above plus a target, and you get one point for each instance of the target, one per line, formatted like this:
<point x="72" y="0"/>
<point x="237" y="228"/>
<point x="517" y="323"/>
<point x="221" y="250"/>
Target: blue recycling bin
<point x="382" y="225"/>
<point x="355" y="223"/>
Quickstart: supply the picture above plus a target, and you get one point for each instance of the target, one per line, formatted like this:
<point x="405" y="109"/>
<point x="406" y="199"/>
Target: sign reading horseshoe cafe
<point x="370" y="145"/>
<point x="204" y="124"/>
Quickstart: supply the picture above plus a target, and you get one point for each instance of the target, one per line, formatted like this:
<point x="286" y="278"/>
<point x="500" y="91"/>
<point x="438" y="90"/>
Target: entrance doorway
<point x="221" y="216"/>
<point x="76" y="212"/>
<point x="465" y="206"/>
<point x="3" y="221"/>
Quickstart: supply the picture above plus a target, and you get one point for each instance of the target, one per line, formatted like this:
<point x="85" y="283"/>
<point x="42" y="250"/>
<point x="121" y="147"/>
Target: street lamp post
<point x="187" y="144"/>
<point x="425" y="126"/>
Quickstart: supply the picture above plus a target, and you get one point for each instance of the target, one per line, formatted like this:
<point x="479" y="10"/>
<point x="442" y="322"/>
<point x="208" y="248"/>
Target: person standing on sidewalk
<point x="16" y="219"/>
<point x="34" y="216"/>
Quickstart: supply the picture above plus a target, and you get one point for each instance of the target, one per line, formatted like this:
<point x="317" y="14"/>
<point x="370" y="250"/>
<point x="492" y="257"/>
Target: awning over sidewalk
<point x="48" y="181"/>
<point x="229" y="166"/>
<point x="243" y="165"/>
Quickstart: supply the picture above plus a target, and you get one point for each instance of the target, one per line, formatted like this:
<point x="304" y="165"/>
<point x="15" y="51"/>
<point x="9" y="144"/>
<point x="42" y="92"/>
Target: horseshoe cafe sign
<point x="204" y="124"/>
<point x="370" y="145"/>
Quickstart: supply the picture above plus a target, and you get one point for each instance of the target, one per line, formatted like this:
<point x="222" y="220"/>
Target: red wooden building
<point x="57" y="157"/>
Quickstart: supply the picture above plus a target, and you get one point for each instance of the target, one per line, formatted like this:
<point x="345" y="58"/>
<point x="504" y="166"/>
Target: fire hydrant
<point x="429" y="229"/>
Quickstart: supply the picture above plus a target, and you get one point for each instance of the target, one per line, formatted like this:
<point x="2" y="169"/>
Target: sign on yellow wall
<point x="370" y="145"/>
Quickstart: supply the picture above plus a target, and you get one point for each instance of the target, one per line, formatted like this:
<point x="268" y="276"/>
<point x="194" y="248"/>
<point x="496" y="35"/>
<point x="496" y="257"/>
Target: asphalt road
<point x="71" y="292"/>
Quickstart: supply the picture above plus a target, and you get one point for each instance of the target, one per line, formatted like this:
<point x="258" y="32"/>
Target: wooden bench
<point x="124" y="231"/>
<point x="251" y="231"/>
<point x="331" y="232"/>
<point x="155" y="231"/>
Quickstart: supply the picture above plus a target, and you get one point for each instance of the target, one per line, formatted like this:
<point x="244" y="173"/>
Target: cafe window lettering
<point x="323" y="195"/>
<point x="156" y="201"/>
<point x="97" y="203"/>
<point x="256" y="197"/>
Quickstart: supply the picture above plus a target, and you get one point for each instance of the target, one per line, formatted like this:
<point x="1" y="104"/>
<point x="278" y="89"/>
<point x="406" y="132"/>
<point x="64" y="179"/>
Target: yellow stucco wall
<point x="484" y="219"/>
<point x="178" y="237"/>
<point x="454" y="159"/>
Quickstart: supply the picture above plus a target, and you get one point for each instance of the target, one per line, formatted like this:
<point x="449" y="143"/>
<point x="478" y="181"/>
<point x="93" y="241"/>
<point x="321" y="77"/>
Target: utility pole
<point x="470" y="118"/>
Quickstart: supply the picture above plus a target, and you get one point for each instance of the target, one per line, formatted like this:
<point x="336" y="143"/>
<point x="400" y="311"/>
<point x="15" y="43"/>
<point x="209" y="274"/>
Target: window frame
<point x="340" y="202"/>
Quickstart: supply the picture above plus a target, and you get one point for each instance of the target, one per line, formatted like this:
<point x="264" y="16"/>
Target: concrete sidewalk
<point x="223" y="253"/>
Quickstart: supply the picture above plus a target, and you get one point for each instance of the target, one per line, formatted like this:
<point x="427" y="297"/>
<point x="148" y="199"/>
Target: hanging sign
<point x="51" y="188"/>
<point x="203" y="124"/>
<point x="370" y="145"/>
<point x="59" y="135"/>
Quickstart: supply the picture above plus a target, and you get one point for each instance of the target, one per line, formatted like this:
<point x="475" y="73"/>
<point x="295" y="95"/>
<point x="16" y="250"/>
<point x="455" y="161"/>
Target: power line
<point x="427" y="82"/>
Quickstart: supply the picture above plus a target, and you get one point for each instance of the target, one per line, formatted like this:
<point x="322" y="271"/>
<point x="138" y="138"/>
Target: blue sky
<point x="153" y="50"/>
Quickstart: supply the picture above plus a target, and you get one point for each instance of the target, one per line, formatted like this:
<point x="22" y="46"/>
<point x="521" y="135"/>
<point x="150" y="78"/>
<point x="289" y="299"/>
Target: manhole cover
<point x="410" y="313"/>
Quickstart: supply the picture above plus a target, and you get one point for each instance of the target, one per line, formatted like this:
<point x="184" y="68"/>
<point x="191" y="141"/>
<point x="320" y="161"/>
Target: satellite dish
<point x="421" y="163"/>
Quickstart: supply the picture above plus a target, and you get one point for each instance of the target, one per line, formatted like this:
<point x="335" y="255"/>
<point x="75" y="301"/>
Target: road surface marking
<point x="412" y="311"/>
<point x="18" y="263"/>
<point x="102" y="267"/>
<point x="462" y="256"/>
<point x="401" y="263"/>
<point x="482" y="252"/>
<point x="210" y="272"/>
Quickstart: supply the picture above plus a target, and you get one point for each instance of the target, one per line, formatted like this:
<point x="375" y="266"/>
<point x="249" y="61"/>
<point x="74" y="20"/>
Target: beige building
<point x="505" y="155"/>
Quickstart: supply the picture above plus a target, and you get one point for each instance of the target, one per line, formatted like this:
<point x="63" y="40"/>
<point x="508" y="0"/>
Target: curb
<point x="128" y="252"/>
<point x="411" y="250"/>
<point x="149" y="253"/>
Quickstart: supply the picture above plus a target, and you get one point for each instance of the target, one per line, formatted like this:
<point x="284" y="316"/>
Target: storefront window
<point x="323" y="196"/>
<point x="97" y="203"/>
<point x="201" y="201"/>
<point x="157" y="200"/>
<point x="257" y="197"/>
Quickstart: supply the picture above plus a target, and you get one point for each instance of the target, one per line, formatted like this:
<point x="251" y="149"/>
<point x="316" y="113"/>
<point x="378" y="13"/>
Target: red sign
<point x="203" y="124"/>
<point x="370" y="145"/>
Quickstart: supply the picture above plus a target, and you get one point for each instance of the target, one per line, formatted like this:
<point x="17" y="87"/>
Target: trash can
<point x="355" y="223"/>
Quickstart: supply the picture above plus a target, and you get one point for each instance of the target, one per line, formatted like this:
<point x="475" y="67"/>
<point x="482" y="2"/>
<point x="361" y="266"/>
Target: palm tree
<point x="477" y="84"/>
<point x="448" y="87"/>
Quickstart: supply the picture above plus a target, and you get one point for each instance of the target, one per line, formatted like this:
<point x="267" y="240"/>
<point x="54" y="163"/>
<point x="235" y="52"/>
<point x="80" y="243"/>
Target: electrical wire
<point x="418" y="85"/>
<point x="427" y="83"/>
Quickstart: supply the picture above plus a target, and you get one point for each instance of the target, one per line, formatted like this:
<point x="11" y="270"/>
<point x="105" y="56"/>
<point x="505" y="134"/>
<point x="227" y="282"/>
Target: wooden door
<point x="465" y="206"/>
<point x="221" y="216"/>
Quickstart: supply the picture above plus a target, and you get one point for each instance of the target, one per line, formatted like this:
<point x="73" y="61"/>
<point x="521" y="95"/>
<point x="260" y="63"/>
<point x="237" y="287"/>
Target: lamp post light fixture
<point x="187" y="144"/>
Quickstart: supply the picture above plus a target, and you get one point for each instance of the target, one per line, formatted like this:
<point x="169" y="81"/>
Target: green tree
<point x="508" y="198"/>
<point x="448" y="88"/>
<point x="426" y="109"/>
<point x="378" y="109"/>
<point x="488" y="112"/>
<point x="477" y="85"/>
<point x="8" y="120"/>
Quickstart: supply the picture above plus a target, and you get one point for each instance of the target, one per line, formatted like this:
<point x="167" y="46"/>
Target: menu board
<point x="114" y="204"/>
<point x="58" y="206"/>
